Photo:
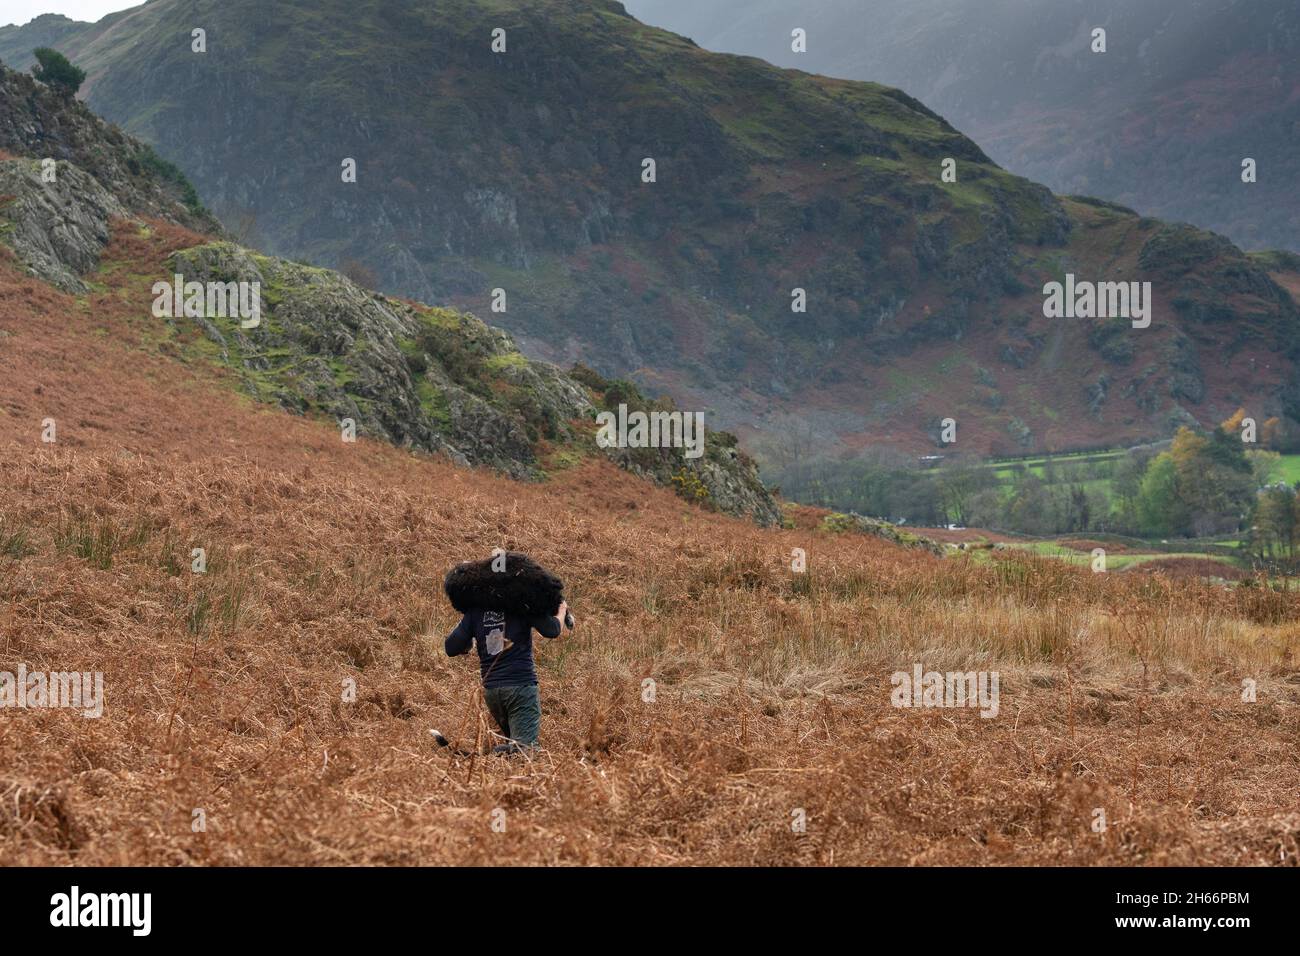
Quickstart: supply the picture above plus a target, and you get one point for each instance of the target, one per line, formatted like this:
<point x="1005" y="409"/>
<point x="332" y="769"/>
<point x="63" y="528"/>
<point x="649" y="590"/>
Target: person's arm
<point x="459" y="640"/>
<point x="551" y="626"/>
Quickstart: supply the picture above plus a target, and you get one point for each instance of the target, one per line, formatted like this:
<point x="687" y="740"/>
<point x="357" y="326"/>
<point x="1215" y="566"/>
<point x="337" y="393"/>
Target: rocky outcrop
<point x="40" y="123"/>
<point x="58" y="223"/>
<point x="725" y="478"/>
<point x="429" y="378"/>
<point x="721" y="477"/>
<point x="407" y="374"/>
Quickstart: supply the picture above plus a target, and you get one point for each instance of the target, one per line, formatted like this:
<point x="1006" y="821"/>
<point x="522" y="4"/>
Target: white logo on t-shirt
<point x="495" y="640"/>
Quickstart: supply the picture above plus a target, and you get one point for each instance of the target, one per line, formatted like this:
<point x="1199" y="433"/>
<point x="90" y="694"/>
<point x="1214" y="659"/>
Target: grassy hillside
<point x="521" y="171"/>
<point x="224" y="689"/>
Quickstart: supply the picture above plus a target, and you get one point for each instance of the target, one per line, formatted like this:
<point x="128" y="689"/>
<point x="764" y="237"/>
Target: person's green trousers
<point x="518" y="712"/>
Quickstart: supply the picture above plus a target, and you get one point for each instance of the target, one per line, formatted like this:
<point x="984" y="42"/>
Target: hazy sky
<point x="20" y="11"/>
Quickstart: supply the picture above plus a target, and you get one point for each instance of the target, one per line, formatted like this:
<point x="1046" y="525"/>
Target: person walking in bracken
<point x="503" y="599"/>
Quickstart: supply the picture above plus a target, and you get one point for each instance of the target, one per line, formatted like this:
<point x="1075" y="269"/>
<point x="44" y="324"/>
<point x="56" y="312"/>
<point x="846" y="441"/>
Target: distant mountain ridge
<point x="521" y="171"/>
<point x="1161" y="121"/>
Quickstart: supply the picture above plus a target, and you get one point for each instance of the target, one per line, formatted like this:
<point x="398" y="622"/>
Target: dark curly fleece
<point x="523" y="589"/>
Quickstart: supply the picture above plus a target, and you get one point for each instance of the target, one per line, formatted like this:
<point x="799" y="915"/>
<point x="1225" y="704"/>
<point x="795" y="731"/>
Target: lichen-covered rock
<point x="57" y="228"/>
<point x="408" y="375"/>
<point x="721" y="477"/>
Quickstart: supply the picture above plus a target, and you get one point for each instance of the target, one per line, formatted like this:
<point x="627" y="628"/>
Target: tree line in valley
<point x="1201" y="483"/>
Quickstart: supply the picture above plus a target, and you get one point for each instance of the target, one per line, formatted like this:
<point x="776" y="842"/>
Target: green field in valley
<point x="1092" y="470"/>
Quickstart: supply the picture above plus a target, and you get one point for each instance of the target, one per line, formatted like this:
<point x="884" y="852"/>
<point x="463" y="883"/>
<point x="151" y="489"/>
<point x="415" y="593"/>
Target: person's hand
<point x="560" y="614"/>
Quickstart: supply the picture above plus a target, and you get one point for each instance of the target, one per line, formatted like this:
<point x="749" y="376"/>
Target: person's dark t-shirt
<point x="505" y="645"/>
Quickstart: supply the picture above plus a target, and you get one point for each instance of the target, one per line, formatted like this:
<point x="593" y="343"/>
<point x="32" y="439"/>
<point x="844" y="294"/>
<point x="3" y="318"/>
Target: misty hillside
<point x="522" y="171"/>
<point x="1159" y="122"/>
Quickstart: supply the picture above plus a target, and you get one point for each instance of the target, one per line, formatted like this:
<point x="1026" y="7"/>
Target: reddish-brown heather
<point x="324" y="563"/>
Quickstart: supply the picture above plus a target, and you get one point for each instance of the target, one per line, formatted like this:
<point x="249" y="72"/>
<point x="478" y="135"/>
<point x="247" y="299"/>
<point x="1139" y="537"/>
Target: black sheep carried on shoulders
<point x="522" y="589"/>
